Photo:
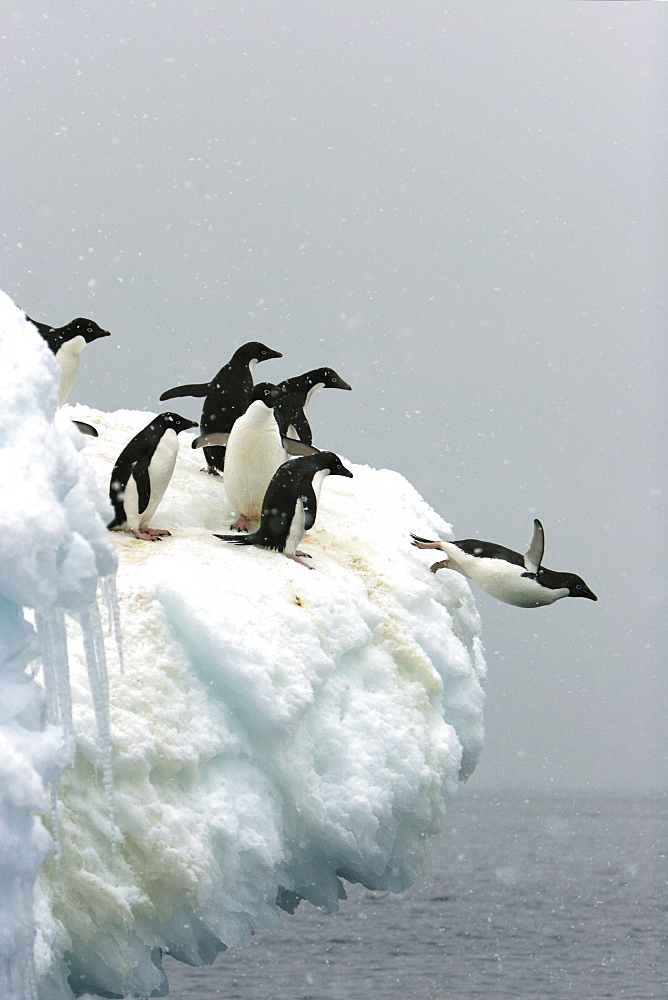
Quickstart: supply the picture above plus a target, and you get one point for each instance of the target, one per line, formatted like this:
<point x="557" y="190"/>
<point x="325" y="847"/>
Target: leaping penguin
<point x="67" y="343"/>
<point x="255" y="449"/>
<point x="142" y="473"/>
<point x="227" y="396"/>
<point x="507" y="575"/>
<point x="284" y="520"/>
<point x="292" y="410"/>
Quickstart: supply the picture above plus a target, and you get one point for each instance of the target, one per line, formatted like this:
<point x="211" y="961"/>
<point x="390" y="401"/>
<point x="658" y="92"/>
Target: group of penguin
<point x="259" y="436"/>
<point x="250" y="432"/>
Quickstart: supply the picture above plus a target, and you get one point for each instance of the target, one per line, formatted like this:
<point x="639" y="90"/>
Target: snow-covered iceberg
<point x="275" y="732"/>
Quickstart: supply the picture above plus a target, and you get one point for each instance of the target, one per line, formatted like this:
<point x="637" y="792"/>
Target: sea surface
<point x="532" y="896"/>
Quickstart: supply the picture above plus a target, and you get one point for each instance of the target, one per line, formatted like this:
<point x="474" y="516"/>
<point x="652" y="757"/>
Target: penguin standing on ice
<point x="283" y="521"/>
<point x="67" y="343"/>
<point x="142" y="473"/>
<point x="507" y="575"/>
<point x="255" y="449"/>
<point x="227" y="396"/>
<point x="291" y="411"/>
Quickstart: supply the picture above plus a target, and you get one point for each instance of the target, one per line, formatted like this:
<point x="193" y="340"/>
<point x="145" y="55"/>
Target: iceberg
<point x="272" y="733"/>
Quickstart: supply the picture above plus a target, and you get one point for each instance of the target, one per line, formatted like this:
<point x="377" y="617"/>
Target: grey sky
<point x="460" y="207"/>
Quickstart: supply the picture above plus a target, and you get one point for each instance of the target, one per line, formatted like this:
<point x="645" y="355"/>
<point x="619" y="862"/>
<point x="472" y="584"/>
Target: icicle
<point x="96" y="666"/>
<point x="61" y="661"/>
<point x="53" y="648"/>
<point x="27" y="972"/>
<point x="113" y="613"/>
<point x="17" y="974"/>
<point x="55" y="666"/>
<point x="55" y="824"/>
<point x="48" y="667"/>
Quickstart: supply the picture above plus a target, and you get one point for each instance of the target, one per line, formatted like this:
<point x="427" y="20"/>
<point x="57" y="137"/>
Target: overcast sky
<point x="461" y="208"/>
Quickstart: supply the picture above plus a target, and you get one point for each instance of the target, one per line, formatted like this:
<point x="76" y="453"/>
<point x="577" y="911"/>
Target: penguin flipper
<point x="120" y="474"/>
<point x="310" y="506"/>
<point x="534" y="554"/>
<point x="143" y="481"/>
<point x="85" y="428"/>
<point x="295" y="447"/>
<point x="302" y="427"/>
<point x="215" y="437"/>
<point x="198" y="389"/>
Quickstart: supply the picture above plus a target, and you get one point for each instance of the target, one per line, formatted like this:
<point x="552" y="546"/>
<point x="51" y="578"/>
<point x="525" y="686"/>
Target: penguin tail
<point x="238" y="539"/>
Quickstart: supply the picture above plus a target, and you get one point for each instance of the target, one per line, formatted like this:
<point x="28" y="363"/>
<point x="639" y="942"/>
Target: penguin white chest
<point x="318" y="480"/>
<point x="296" y="532"/>
<point x="503" y="580"/>
<point x="254" y="452"/>
<point x="161" y="468"/>
<point x="67" y="357"/>
<point x="318" y="385"/>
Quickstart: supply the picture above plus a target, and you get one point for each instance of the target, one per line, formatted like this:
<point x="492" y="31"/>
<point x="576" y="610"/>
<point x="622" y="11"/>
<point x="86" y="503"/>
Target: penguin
<point x="507" y="575"/>
<point x="142" y="473"/>
<point x="291" y="411"/>
<point x="227" y="396"/>
<point x="283" y="521"/>
<point x="255" y="449"/>
<point x="67" y="343"/>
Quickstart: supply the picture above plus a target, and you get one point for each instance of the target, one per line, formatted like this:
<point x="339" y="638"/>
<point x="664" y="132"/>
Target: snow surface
<point x="275" y="732"/>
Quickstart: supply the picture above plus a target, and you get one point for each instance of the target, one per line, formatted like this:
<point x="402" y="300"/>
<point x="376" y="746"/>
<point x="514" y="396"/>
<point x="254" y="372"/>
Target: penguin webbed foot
<point x="439" y="565"/>
<point x="145" y="537"/>
<point x="303" y="555"/>
<point x="158" y="532"/>
<point x="296" y="558"/>
<point x="424" y="543"/>
<point x="211" y="470"/>
<point x="242" y="523"/>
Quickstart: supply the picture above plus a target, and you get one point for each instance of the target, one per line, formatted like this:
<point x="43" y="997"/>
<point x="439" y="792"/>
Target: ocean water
<point x="532" y="896"/>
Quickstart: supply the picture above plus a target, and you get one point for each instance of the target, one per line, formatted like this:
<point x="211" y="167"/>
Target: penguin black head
<point x="254" y="352"/>
<point x="176" y="422"/>
<point x="327" y="378"/>
<point x="328" y="460"/>
<point x="571" y="582"/>
<point x="85" y="328"/>
<point x="577" y="587"/>
<point x="267" y="393"/>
